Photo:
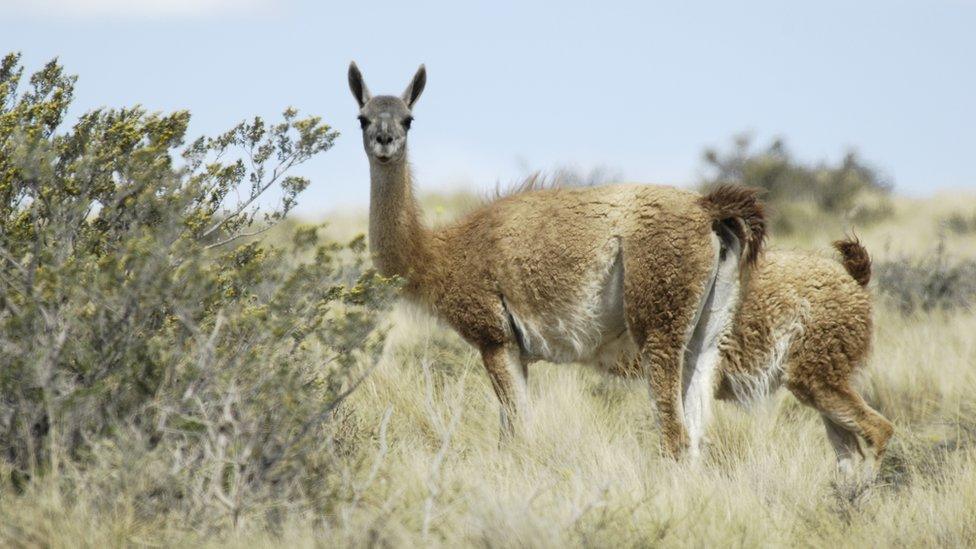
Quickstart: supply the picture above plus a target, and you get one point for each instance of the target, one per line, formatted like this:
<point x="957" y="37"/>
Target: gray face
<point x="385" y="119"/>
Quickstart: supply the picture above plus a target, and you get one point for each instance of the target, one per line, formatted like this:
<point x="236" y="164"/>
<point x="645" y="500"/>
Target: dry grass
<point x="426" y="467"/>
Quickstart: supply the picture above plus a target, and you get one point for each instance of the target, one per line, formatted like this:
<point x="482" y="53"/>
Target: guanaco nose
<point x="384" y="139"/>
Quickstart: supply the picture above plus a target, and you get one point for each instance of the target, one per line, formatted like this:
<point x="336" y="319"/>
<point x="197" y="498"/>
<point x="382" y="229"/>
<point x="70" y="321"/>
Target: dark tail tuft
<point x="740" y="209"/>
<point x="855" y="259"/>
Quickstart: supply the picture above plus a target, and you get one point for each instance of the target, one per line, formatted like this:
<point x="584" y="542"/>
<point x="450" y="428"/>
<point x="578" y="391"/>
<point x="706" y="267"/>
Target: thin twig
<point x="447" y="433"/>
<point x="239" y="236"/>
<point x="278" y="172"/>
<point x="380" y="456"/>
<point x="320" y="417"/>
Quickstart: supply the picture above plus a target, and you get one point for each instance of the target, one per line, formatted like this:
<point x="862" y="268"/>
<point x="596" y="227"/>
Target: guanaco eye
<point x="407" y="121"/>
<point x="363" y="122"/>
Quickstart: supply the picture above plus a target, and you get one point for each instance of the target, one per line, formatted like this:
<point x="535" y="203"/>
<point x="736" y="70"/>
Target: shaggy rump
<point x="740" y="209"/>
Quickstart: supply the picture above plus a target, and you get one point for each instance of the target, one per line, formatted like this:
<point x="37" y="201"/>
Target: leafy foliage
<point x="136" y="307"/>
<point x="800" y="193"/>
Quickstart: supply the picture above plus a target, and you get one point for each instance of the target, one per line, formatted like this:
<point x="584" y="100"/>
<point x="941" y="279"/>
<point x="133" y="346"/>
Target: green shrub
<point x="800" y="194"/>
<point x="139" y="312"/>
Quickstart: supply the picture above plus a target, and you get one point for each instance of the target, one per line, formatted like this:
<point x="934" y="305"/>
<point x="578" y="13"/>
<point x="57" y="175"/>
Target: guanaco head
<point x="385" y="119"/>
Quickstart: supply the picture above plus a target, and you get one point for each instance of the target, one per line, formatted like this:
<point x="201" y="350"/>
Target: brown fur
<point x="554" y="274"/>
<point x="807" y="323"/>
<point x="536" y="181"/>
<point x="855" y="259"/>
<point x="740" y="209"/>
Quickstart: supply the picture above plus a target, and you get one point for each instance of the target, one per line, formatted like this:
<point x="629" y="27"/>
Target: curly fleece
<point x="805" y="322"/>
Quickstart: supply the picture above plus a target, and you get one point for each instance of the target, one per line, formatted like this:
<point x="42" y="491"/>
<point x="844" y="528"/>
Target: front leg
<point x="509" y="380"/>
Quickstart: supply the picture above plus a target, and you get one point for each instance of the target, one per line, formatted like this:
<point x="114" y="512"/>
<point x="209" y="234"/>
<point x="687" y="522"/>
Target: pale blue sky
<point x="641" y="87"/>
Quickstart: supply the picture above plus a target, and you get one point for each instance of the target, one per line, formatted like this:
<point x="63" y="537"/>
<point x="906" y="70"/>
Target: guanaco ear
<point x="416" y="87"/>
<point x="358" y="87"/>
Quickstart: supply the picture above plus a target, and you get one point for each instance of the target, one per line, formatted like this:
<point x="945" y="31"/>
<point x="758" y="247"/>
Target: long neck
<point x="398" y="239"/>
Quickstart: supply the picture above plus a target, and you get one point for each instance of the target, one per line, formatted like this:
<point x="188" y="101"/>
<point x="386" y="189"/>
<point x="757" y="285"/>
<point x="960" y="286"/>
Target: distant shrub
<point x="137" y="311"/>
<point x="927" y="283"/>
<point x="564" y="175"/>
<point x="574" y="176"/>
<point x="959" y="223"/>
<point x="800" y="194"/>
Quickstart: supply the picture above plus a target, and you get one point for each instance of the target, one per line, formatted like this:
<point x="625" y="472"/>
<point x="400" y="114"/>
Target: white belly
<point x="752" y="386"/>
<point x="582" y="328"/>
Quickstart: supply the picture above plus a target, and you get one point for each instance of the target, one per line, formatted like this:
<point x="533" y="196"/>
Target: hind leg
<point x="702" y="356"/>
<point x="847" y="409"/>
<point x="663" y="370"/>
<point x="845" y="445"/>
<point x="665" y="282"/>
<point x="848" y="417"/>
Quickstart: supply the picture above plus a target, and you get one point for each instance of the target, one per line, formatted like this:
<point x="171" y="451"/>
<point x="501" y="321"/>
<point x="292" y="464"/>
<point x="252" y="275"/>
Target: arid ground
<point x="421" y="465"/>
